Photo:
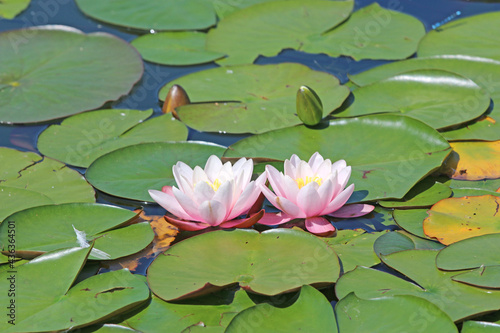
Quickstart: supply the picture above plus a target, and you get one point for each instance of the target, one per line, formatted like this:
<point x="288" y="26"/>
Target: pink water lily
<point x="213" y="196"/>
<point x="310" y="190"/>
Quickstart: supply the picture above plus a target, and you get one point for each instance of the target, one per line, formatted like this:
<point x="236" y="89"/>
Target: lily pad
<point x="252" y="98"/>
<point x="456" y="299"/>
<point x="484" y="72"/>
<point x="411" y="220"/>
<point x="260" y="263"/>
<point x="354" y="248"/>
<point x="391" y="314"/>
<point x="372" y="32"/>
<point x="267" y="28"/>
<point x="131" y="171"/>
<point x="470" y="253"/>
<point x="81" y="139"/>
<point x="50" y="306"/>
<point x="486" y="277"/>
<point x="11" y="8"/>
<point x="311" y="312"/>
<point x="104" y="224"/>
<point x="389" y="154"/>
<point x="52" y="72"/>
<point x="175" y="48"/>
<point x="30" y="180"/>
<point x="438" y="98"/>
<point x="454" y="219"/>
<point x="161" y="316"/>
<point x="426" y="193"/>
<point x="397" y="241"/>
<point x="477" y="35"/>
<point x="480" y="327"/>
<point x="473" y="160"/>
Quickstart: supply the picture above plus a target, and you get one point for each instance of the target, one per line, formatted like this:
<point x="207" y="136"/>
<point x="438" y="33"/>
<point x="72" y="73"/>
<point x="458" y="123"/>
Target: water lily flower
<point x="213" y="196"/>
<point x="310" y="190"/>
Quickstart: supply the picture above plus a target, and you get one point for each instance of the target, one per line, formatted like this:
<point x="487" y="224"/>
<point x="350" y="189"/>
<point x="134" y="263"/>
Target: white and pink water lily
<point x="213" y="196"/>
<point x="310" y="190"/>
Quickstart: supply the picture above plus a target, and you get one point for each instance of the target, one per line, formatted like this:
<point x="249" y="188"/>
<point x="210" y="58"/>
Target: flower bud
<point x="309" y="106"/>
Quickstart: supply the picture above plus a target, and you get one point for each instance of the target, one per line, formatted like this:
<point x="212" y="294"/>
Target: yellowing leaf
<point x="454" y="219"/>
<point x="473" y="160"/>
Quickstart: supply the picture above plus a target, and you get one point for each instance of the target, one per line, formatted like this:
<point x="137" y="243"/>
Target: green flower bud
<point x="309" y="106"/>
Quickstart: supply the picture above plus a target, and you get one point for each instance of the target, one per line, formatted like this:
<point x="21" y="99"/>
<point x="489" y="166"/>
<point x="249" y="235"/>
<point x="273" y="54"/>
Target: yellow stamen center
<point x="215" y="185"/>
<point x="301" y="182"/>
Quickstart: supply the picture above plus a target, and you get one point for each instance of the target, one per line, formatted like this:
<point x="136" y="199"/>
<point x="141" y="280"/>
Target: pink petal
<point x="199" y="175"/>
<point x="168" y="201"/>
<point x="353" y="210"/>
<point x="290" y="169"/>
<point x="304" y="170"/>
<point x="338" y="201"/>
<point x="324" y="170"/>
<point x="325" y="192"/>
<point x="248" y="197"/>
<point x="243" y="176"/>
<point x="243" y="223"/>
<point x="187" y="204"/>
<point x="213" y="167"/>
<point x="339" y="165"/>
<point x="291" y="189"/>
<point x="309" y="201"/>
<point x="224" y="195"/>
<point x="239" y="163"/>
<point x="275" y="219"/>
<point x="320" y="226"/>
<point x="315" y="161"/>
<point x="182" y="169"/>
<point x="186" y="225"/>
<point x="275" y="179"/>
<point x="212" y="212"/>
<point x="343" y="176"/>
<point x="295" y="160"/>
<point x="203" y="192"/>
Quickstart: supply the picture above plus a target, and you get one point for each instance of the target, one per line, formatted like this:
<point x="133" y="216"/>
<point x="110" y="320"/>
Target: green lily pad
<point x="108" y="328"/>
<point x="131" y="171"/>
<point x="354" y="248"/>
<point x="252" y="98"/>
<point x="104" y="224"/>
<point x="29" y="180"/>
<point x="438" y="98"/>
<point x="391" y="314"/>
<point x="397" y="241"/>
<point x="59" y="71"/>
<point x="389" y="154"/>
<point x="11" y="8"/>
<point x="311" y="312"/>
<point x="267" y="28"/>
<point x="491" y="185"/>
<point x="426" y="193"/>
<point x="175" y="48"/>
<point x="471" y="192"/>
<point x="486" y="277"/>
<point x="470" y="253"/>
<point x="81" y="139"/>
<point x="260" y="263"/>
<point x="456" y="299"/>
<point x="49" y="306"/>
<point x="480" y="327"/>
<point x="161" y="316"/>
<point x="372" y="32"/>
<point x="484" y="72"/>
<point x="454" y="219"/>
<point x="476" y="35"/>
<point x="411" y="220"/>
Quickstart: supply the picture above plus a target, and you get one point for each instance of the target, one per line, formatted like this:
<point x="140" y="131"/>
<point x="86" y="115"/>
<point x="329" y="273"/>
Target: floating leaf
<point x="311" y="312"/>
<point x="480" y="327"/>
<point x="175" y="48"/>
<point x="391" y="314"/>
<point x="484" y="72"/>
<point x="49" y="306"/>
<point x="29" y="180"/>
<point x="477" y="35"/>
<point x="490" y="185"/>
<point x="11" y="8"/>
<point x="131" y="171"/>
<point x="354" y="248"/>
<point x="81" y="139"/>
<point x="372" y="32"/>
<point x="267" y="28"/>
<point x="388" y="153"/>
<point x="453" y="219"/>
<point x="258" y="262"/>
<point x="411" y="220"/>
<point x="456" y="299"/>
<point x="473" y="160"/>
<point x="55" y="71"/>
<point x="397" y="241"/>
<point x="426" y="193"/>
<point x="161" y="316"/>
<point x="263" y="97"/>
<point x="108" y="328"/>
<point x="438" y="98"/>
<point x="102" y="223"/>
<point x="486" y="277"/>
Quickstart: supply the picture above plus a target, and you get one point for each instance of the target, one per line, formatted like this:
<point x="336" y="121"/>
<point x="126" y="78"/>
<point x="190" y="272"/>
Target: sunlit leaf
<point x="411" y="220"/>
<point x="51" y="72"/>
<point x="473" y="160"/>
<point x="480" y="327"/>
<point x="81" y="139"/>
<point x="426" y="193"/>
<point x="11" y="8"/>
<point x="453" y="219"/>
<point x="396" y="241"/>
